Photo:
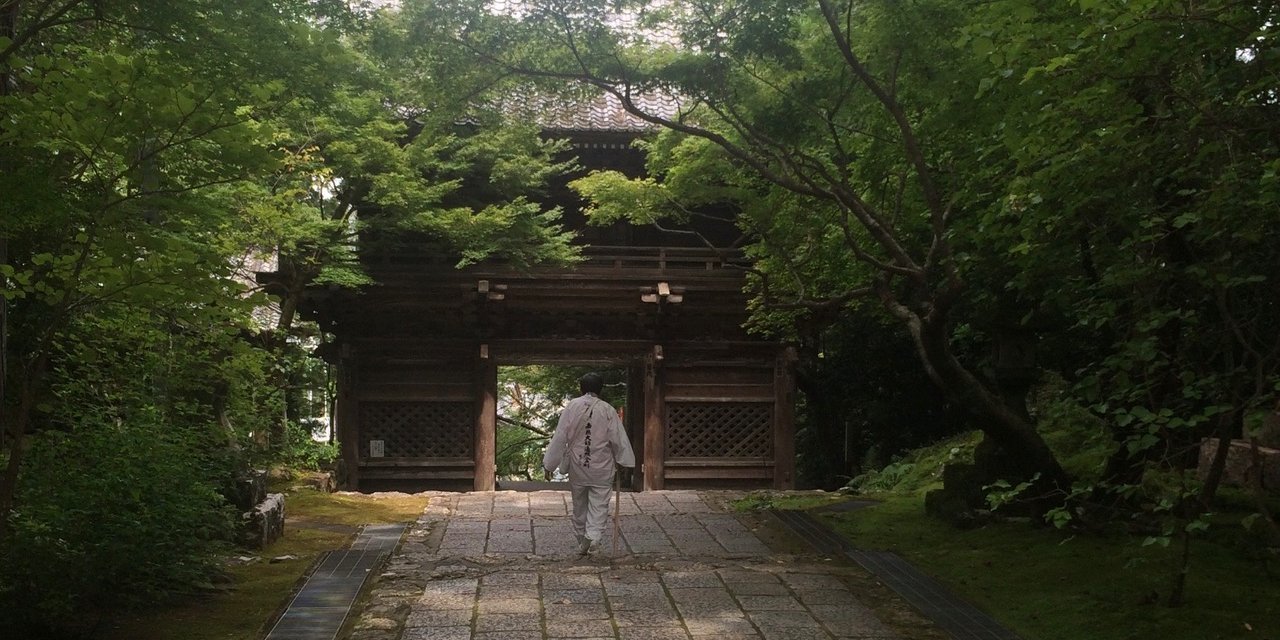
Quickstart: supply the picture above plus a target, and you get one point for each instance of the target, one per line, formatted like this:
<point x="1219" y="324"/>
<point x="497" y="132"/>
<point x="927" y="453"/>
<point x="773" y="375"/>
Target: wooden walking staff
<point x="617" y="506"/>
<point x="617" y="497"/>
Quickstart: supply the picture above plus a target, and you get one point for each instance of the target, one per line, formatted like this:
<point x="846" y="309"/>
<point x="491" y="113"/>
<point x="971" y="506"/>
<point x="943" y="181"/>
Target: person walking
<point x="589" y="442"/>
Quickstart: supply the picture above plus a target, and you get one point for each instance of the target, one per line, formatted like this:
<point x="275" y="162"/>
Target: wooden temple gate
<point x="417" y="395"/>
<point x="417" y="355"/>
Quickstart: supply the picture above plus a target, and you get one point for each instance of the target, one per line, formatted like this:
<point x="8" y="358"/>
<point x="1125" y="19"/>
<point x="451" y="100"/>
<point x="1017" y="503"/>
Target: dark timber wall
<point x="424" y="416"/>
<point x="417" y="353"/>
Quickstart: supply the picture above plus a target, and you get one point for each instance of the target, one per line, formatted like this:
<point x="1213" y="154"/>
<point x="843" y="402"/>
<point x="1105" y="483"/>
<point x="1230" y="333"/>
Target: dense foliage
<point x="1098" y="174"/>
<point x="153" y="156"/>
<point x="863" y="402"/>
<point x="1096" y="181"/>
<point x="1095" y="178"/>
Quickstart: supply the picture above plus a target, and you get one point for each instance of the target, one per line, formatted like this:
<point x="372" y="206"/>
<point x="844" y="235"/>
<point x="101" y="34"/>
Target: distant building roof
<point x="596" y="110"/>
<point x="599" y="112"/>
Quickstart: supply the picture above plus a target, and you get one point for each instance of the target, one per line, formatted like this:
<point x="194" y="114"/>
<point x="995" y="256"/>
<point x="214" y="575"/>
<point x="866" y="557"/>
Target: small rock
<point x="383" y="624"/>
<point x="387" y="610"/>
<point x="371" y="634"/>
<point x="398" y="593"/>
<point x="284" y="558"/>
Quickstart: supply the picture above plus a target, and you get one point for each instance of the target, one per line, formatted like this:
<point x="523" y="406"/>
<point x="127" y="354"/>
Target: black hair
<point x="591" y="383"/>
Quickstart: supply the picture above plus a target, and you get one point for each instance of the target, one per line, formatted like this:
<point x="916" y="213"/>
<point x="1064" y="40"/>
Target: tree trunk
<point x="1015" y="434"/>
<point x="278" y="439"/>
<point x="1260" y="496"/>
<point x="1212" y="480"/>
<point x="220" y="392"/>
<point x="1178" y="590"/>
<point x="827" y="460"/>
<point x="17" y="440"/>
<point x="4" y="346"/>
<point x="8" y="28"/>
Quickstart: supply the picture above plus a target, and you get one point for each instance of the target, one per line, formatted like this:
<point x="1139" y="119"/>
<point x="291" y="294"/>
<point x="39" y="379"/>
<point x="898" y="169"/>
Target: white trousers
<point x="590" y="510"/>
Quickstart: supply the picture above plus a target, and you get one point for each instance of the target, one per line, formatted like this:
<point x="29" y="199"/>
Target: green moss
<point x="1049" y="585"/>
<point x="920" y="469"/>
<point x="760" y="500"/>
<point x="261" y="589"/>
<point x="309" y="505"/>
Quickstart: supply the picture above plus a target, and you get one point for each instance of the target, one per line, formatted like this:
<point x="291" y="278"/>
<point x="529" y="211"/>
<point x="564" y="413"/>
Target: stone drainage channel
<point x="503" y="566"/>
<point x="319" y="609"/>
<point x="961" y="620"/>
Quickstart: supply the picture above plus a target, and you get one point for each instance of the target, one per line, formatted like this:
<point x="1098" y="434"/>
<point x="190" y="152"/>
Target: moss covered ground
<point x="1051" y="584"/>
<point x="256" y="592"/>
<point x="1048" y="584"/>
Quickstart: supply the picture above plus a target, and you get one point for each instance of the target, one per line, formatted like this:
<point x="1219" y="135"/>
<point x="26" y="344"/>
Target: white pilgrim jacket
<point x="588" y="441"/>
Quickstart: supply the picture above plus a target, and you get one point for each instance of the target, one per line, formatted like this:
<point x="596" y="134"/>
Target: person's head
<point x="591" y="383"/>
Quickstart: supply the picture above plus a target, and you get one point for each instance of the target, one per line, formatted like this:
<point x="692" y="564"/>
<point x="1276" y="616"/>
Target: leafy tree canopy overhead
<point x="1101" y="174"/>
<point x="150" y="154"/>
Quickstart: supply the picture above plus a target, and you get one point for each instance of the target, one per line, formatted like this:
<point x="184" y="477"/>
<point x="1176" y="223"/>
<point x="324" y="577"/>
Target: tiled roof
<point x="596" y="111"/>
<point x="599" y="112"/>
<point x="631" y="25"/>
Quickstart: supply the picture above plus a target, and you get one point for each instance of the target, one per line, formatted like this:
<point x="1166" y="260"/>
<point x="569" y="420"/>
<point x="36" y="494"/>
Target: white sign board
<point x="377" y="448"/>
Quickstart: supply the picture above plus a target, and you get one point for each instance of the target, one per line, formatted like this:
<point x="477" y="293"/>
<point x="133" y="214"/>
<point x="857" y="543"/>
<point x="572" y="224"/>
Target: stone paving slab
<point x="480" y="566"/>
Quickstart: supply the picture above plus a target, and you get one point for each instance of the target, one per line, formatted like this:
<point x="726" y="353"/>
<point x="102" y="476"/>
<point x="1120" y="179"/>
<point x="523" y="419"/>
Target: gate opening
<point x="530" y="399"/>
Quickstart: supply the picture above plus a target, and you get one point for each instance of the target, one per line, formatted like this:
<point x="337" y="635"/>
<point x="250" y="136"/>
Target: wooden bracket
<point x="491" y="291"/>
<point x="663" y="293"/>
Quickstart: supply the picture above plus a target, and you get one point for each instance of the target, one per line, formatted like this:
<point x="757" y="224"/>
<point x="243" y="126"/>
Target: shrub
<point x="111" y="516"/>
<point x="919" y="469"/>
<point x="304" y="452"/>
<point x="884" y="479"/>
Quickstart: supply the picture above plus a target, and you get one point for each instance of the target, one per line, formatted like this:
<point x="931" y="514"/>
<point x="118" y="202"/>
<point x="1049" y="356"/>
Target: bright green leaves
<point x="384" y="149"/>
<point x="615" y="197"/>
<point x="119" y="129"/>
<point x="131" y="154"/>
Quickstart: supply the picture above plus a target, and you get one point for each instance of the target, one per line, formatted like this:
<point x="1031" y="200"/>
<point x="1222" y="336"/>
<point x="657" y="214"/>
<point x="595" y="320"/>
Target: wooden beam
<point x="654" y="423"/>
<point x="415" y="392"/>
<point x="784" y="423"/>
<point x="418" y="474"/>
<point x="718" y="461"/>
<point x="720" y="473"/>
<point x="486" y="424"/>
<point x="419" y="462"/>
<point x="685" y="397"/>
<point x="634" y="418"/>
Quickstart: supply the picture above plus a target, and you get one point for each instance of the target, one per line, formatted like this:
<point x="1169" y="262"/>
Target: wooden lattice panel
<point x="719" y="430"/>
<point x="418" y="429"/>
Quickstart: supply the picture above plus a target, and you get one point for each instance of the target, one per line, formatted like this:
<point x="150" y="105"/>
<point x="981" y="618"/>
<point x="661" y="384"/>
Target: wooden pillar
<point x="635" y="420"/>
<point x="486" y="441"/>
<point x="347" y="417"/>
<point x="654" y="422"/>
<point x="784" y="420"/>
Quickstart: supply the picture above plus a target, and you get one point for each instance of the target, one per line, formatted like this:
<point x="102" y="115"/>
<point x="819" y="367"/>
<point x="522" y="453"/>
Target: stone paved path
<point x="503" y="566"/>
